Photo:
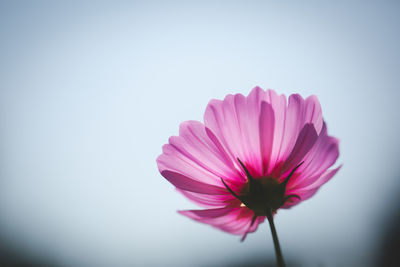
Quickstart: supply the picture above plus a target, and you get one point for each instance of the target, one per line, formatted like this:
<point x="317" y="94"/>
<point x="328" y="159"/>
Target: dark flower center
<point x="263" y="195"/>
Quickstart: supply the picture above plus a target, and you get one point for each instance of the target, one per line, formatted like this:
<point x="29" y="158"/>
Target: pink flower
<point x="252" y="155"/>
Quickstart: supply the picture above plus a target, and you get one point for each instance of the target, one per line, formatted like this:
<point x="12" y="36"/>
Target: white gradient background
<point x="90" y="92"/>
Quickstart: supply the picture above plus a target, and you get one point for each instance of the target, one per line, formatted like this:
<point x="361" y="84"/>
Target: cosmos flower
<point x="252" y="156"/>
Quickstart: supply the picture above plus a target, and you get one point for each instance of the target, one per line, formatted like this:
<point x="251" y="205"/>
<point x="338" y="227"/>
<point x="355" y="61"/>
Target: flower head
<point x="250" y="157"/>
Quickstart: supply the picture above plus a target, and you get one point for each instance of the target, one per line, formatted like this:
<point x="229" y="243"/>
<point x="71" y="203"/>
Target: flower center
<point x="263" y="195"/>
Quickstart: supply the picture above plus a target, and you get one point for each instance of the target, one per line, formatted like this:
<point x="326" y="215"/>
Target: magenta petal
<point x="207" y="214"/>
<point x="194" y="155"/>
<point x="228" y="159"/>
<point x="220" y="118"/>
<point x="313" y="112"/>
<point x="319" y="180"/>
<point x="235" y="124"/>
<point x="269" y="136"/>
<point x="304" y="195"/>
<point x="321" y="157"/>
<point x="307" y="138"/>
<point x="232" y="220"/>
<point x="278" y="103"/>
<point x="184" y="183"/>
<point x="267" y="124"/>
<point x="210" y="201"/>
<point x="194" y="143"/>
<point x="253" y="226"/>
<point x="305" y="192"/>
<point x="324" y="178"/>
<point x="298" y="113"/>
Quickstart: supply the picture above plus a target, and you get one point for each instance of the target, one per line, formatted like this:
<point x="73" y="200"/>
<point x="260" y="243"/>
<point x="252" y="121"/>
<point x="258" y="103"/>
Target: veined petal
<point x="315" y="181"/>
<point x="207" y="214"/>
<point x="224" y="127"/>
<point x="173" y="160"/>
<point x="185" y="183"/>
<point x="305" y="192"/>
<point x="295" y="116"/>
<point x="313" y="112"/>
<point x="211" y="201"/>
<point x="260" y="136"/>
<point x="232" y="220"/>
<point x="267" y="127"/>
<point x="305" y="141"/>
<point x="323" y="178"/>
<point x="278" y="104"/>
<point x="235" y="123"/>
<point x="321" y="157"/>
<point x="195" y="155"/>
<point x="194" y="142"/>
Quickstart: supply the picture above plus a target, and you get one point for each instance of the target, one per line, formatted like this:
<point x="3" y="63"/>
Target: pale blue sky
<point x="90" y="92"/>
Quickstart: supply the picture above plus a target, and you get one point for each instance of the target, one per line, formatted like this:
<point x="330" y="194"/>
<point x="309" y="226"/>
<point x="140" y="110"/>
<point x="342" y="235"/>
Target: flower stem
<point x="278" y="252"/>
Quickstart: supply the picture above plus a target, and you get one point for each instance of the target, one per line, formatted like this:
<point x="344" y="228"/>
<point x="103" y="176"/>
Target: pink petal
<point x="322" y="156"/>
<point x="268" y="135"/>
<point x="235" y="121"/>
<point x="305" y="141"/>
<point x="278" y="103"/>
<point x="309" y="190"/>
<point x="195" y="155"/>
<point x="232" y="220"/>
<point x="298" y="113"/>
<point x="313" y="112"/>
<point x="253" y="227"/>
<point x="318" y="180"/>
<point x="266" y="124"/>
<point x="224" y="127"/>
<point x="305" y="194"/>
<point x="207" y="214"/>
<point x="185" y="183"/>
<point x="293" y="125"/>
<point x="211" y="201"/>
<point x="324" y="178"/>
<point x="194" y="142"/>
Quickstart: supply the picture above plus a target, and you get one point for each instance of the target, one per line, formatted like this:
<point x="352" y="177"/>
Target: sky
<point x="90" y="91"/>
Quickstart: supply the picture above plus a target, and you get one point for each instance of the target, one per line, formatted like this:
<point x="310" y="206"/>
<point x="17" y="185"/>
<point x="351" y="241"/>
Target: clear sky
<point x="89" y="92"/>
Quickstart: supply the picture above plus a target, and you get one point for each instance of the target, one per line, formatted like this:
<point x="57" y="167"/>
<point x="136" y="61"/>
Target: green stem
<point x="278" y="252"/>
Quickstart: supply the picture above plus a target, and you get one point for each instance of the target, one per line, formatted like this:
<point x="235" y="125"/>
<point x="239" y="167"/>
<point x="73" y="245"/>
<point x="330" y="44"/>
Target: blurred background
<point x="90" y="91"/>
